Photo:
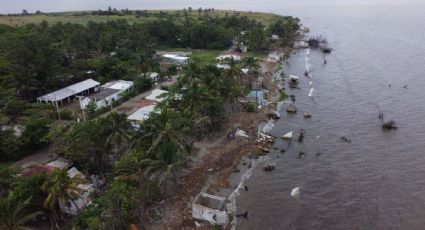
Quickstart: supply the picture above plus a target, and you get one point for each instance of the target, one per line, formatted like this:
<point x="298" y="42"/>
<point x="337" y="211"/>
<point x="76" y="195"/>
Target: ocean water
<point x="377" y="181"/>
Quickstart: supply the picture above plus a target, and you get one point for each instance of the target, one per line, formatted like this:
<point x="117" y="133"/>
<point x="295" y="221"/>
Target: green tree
<point x="13" y="214"/>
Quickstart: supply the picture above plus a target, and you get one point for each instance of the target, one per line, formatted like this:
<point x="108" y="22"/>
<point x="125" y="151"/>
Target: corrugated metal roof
<point x="69" y="91"/>
<point x="142" y="113"/>
<point x="156" y="95"/>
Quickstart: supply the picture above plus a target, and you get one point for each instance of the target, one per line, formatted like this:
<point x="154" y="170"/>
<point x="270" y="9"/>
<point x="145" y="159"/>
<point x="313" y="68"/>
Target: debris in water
<point x="345" y="139"/>
<point x="405" y="86"/>
<point x="244" y="214"/>
<point x="245" y="187"/>
<point x="389" y="125"/>
<point x="301" y="135"/>
<point x="318" y="154"/>
<point x="301" y="155"/>
<point x="295" y="193"/>
<point x="288" y="135"/>
<point x="273" y="115"/>
<point x="307" y="115"/>
<point x="311" y="92"/>
<point x="291" y="109"/>
<point x="282" y="150"/>
<point x="269" y="168"/>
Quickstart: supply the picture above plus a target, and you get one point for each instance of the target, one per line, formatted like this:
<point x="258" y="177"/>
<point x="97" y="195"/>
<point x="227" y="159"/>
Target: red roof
<point x="146" y="102"/>
<point x="38" y="169"/>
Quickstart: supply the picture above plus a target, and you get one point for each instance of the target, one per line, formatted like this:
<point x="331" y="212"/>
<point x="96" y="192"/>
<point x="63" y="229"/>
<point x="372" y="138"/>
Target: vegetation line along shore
<point x="110" y="172"/>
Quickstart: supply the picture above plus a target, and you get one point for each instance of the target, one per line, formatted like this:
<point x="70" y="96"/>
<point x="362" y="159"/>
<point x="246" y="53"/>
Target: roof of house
<point x="156" y="95"/>
<point x="175" y="57"/>
<point x="60" y="164"/>
<point x="38" y="169"/>
<point x="103" y="94"/>
<point x="69" y="90"/>
<point x="118" y="85"/>
<point x="142" y="113"/>
<point x="231" y="56"/>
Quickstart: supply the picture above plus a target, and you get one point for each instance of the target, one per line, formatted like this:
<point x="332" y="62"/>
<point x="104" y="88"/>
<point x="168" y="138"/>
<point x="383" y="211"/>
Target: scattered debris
<point x="210" y="208"/>
<point x="244" y="214"/>
<point x="405" y="86"/>
<point x="293" y="81"/>
<point x="389" y="125"/>
<point x="310" y="94"/>
<point x="273" y="115"/>
<point x="301" y="155"/>
<point x="295" y="193"/>
<point x="301" y="135"/>
<point x="269" y="168"/>
<point x="318" y="154"/>
<point x="291" y="109"/>
<point x="241" y="133"/>
<point x="288" y="135"/>
<point x="307" y="115"/>
<point x="282" y="150"/>
<point x="345" y="139"/>
<point x="245" y="187"/>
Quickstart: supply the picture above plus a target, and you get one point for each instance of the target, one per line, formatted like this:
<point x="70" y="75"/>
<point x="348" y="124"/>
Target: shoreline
<point x="222" y="158"/>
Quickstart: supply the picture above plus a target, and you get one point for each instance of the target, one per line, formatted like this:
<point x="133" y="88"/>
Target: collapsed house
<point x="210" y="208"/>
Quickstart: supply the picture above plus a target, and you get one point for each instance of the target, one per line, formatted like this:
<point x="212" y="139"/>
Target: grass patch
<point x="82" y="17"/>
<point x="205" y="56"/>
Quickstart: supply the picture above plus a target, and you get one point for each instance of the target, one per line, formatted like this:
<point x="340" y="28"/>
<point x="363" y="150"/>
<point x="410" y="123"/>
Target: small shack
<point x="210" y="208"/>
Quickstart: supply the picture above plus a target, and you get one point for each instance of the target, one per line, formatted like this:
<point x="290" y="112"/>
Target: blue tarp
<point x="259" y="94"/>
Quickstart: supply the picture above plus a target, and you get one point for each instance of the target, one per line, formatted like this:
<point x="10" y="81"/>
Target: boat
<point x="288" y="135"/>
<point x="291" y="109"/>
<point x="293" y="80"/>
<point x="307" y="115"/>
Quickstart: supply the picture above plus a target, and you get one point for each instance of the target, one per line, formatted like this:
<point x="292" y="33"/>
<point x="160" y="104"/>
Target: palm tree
<point x="191" y="73"/>
<point x="116" y="130"/>
<point x="167" y="127"/>
<point x="253" y="67"/>
<point x="12" y="213"/>
<point x="60" y="187"/>
<point x="234" y="71"/>
<point x="165" y="162"/>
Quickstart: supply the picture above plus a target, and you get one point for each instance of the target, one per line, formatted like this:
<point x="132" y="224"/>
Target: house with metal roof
<point x="70" y="92"/>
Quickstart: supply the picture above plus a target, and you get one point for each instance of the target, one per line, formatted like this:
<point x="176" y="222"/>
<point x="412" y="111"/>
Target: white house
<point x="108" y="93"/>
<point x="141" y="115"/>
<point x="157" y="95"/>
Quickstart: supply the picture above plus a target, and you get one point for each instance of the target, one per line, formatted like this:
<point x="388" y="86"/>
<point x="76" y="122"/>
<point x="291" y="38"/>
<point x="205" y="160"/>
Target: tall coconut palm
<point x="253" y="68"/>
<point x="12" y="213"/>
<point x="165" y="162"/>
<point x="116" y="130"/>
<point x="234" y="71"/>
<point x="167" y="127"/>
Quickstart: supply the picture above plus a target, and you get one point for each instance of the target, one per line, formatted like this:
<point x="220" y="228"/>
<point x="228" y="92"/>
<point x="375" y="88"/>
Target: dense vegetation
<point x="140" y="167"/>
